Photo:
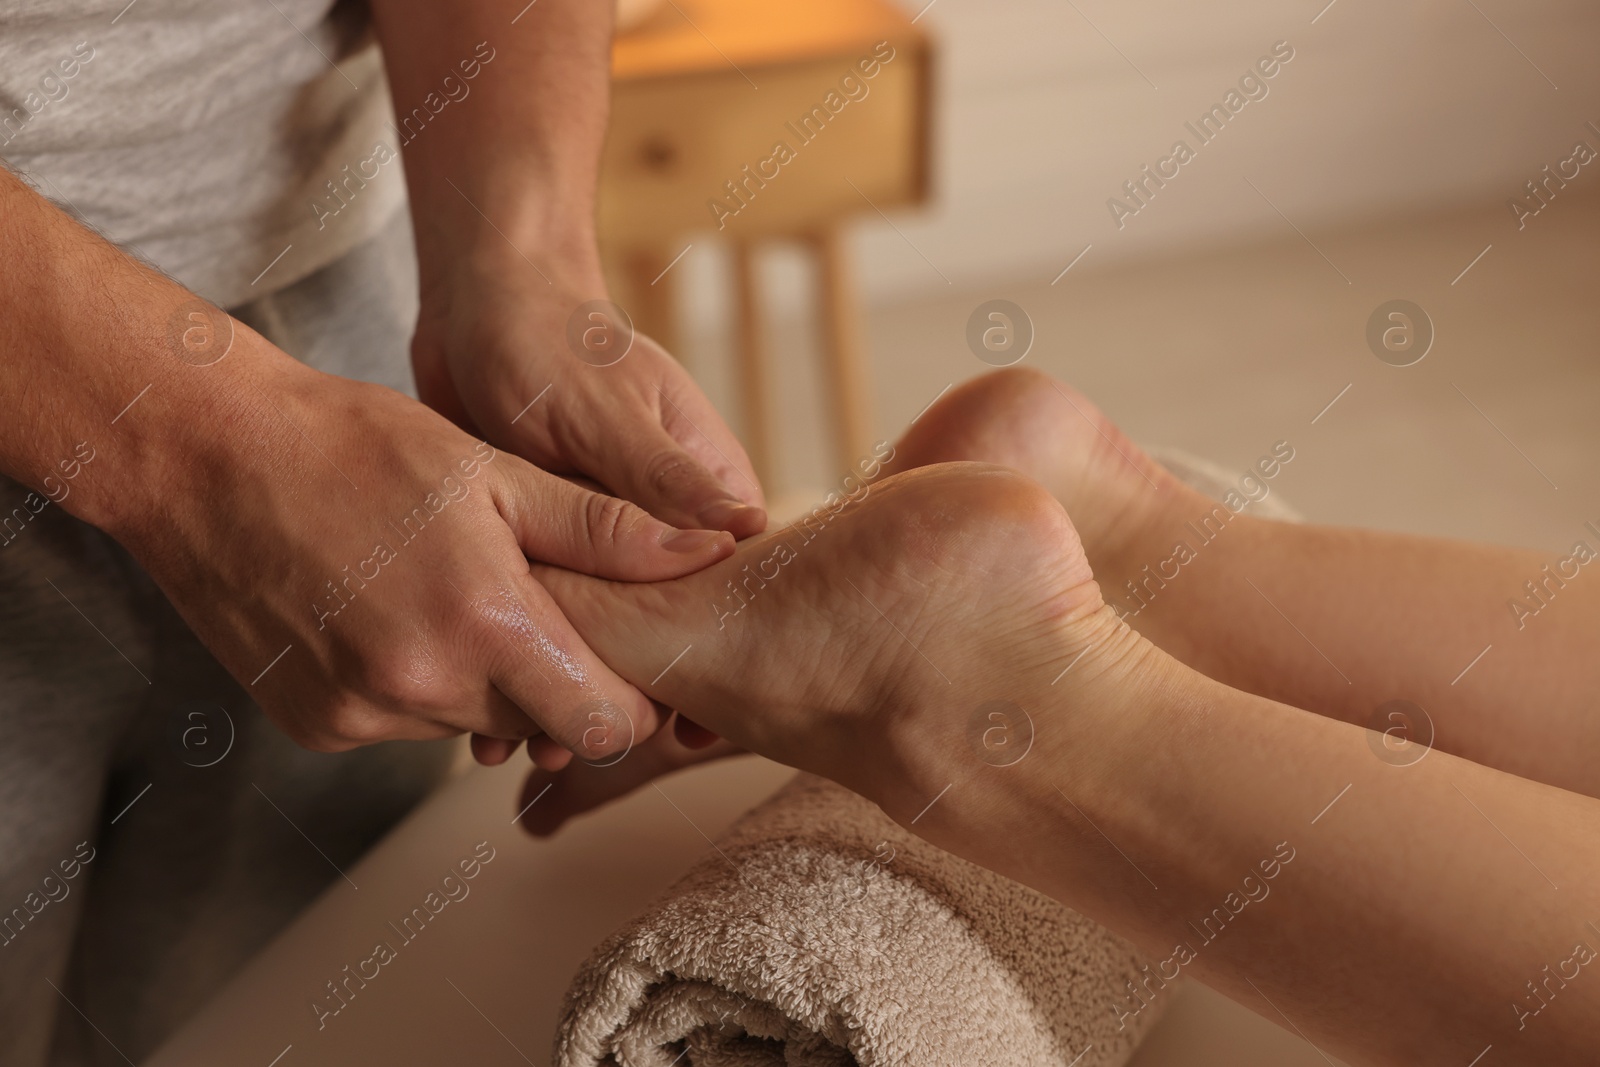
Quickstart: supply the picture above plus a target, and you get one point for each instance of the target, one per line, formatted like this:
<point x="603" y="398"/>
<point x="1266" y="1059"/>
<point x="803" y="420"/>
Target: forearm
<point x="1343" y="621"/>
<point x="1269" y="852"/>
<point x="109" y="389"/>
<point x="508" y="164"/>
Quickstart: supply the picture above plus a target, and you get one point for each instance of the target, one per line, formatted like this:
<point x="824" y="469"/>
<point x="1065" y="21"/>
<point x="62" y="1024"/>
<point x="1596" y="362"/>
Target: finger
<point x="670" y="452"/>
<point x="692" y="421"/>
<point x="691" y="734"/>
<point x="538" y="661"/>
<point x="546" y="754"/>
<point x="492" y="751"/>
<point x="489" y="715"/>
<point x="352" y="730"/>
<point x="650" y="466"/>
<point x="550" y="800"/>
<point x="558" y="522"/>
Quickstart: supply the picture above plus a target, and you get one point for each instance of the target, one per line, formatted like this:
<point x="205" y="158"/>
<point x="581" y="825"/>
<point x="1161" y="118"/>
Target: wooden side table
<point x="777" y="121"/>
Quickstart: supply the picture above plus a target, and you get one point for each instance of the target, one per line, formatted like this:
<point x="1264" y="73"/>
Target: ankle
<point x="1099" y="737"/>
<point x="1050" y="700"/>
<point x="1143" y="551"/>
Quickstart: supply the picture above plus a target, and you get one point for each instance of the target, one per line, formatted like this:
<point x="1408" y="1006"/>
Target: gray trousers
<point x="155" y="829"/>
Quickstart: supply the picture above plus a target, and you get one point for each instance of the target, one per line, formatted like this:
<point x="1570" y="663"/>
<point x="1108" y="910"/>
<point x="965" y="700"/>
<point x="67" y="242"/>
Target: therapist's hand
<point x="499" y="334"/>
<point x="551" y="798"/>
<point x="360" y="565"/>
<point x="493" y="352"/>
<point x="502" y="187"/>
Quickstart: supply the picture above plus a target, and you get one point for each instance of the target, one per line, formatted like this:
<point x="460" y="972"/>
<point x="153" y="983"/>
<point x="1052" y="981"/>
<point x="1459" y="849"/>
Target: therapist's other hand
<point x="500" y="350"/>
<point x="360" y="565"/>
<point x="552" y="798"/>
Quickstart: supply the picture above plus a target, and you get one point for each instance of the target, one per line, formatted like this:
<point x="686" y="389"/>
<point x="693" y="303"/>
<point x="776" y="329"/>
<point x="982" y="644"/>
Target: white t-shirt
<point x="202" y="134"/>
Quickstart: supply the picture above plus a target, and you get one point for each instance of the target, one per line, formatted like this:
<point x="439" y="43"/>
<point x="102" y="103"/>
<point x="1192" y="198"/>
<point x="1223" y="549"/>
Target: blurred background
<point x="1222" y="316"/>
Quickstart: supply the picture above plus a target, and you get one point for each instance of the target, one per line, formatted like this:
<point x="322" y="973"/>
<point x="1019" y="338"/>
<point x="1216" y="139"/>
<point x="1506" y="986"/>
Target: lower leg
<point x="1332" y="620"/>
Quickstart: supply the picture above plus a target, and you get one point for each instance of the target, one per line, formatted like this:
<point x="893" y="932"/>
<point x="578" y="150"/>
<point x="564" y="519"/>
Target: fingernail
<point x="735" y="516"/>
<point x="690" y="541"/>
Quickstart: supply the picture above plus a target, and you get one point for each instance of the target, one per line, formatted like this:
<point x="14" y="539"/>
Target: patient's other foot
<point x="1027" y="420"/>
<point x="822" y="643"/>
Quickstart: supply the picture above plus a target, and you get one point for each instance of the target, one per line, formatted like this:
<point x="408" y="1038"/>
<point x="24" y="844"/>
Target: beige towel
<point x="821" y="933"/>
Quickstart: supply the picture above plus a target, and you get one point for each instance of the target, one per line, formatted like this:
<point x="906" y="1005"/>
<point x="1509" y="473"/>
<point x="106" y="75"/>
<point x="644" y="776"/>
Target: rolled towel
<point x="820" y="933"/>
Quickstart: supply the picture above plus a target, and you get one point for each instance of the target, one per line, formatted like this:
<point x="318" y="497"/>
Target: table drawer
<point x="675" y="144"/>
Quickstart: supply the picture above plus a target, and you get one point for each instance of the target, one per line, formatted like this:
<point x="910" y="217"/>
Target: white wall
<point x="1387" y="109"/>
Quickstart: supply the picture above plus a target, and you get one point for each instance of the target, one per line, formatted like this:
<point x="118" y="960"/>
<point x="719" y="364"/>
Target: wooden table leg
<point x="651" y="305"/>
<point x="751" y="365"/>
<point x="847" y="370"/>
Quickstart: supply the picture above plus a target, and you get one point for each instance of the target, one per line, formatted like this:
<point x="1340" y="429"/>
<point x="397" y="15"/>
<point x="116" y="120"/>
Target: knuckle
<point x="609" y="518"/>
<point x="358" y="723"/>
<point x="401" y="681"/>
<point x="669" y="470"/>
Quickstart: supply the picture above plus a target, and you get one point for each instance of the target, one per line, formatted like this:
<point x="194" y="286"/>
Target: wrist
<point x="118" y="380"/>
<point x="199" y="426"/>
<point x="491" y="228"/>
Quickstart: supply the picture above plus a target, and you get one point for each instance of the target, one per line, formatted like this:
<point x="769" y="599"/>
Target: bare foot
<point x="1018" y="418"/>
<point x="1027" y="420"/>
<point x="942" y="589"/>
<point x="1118" y="498"/>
